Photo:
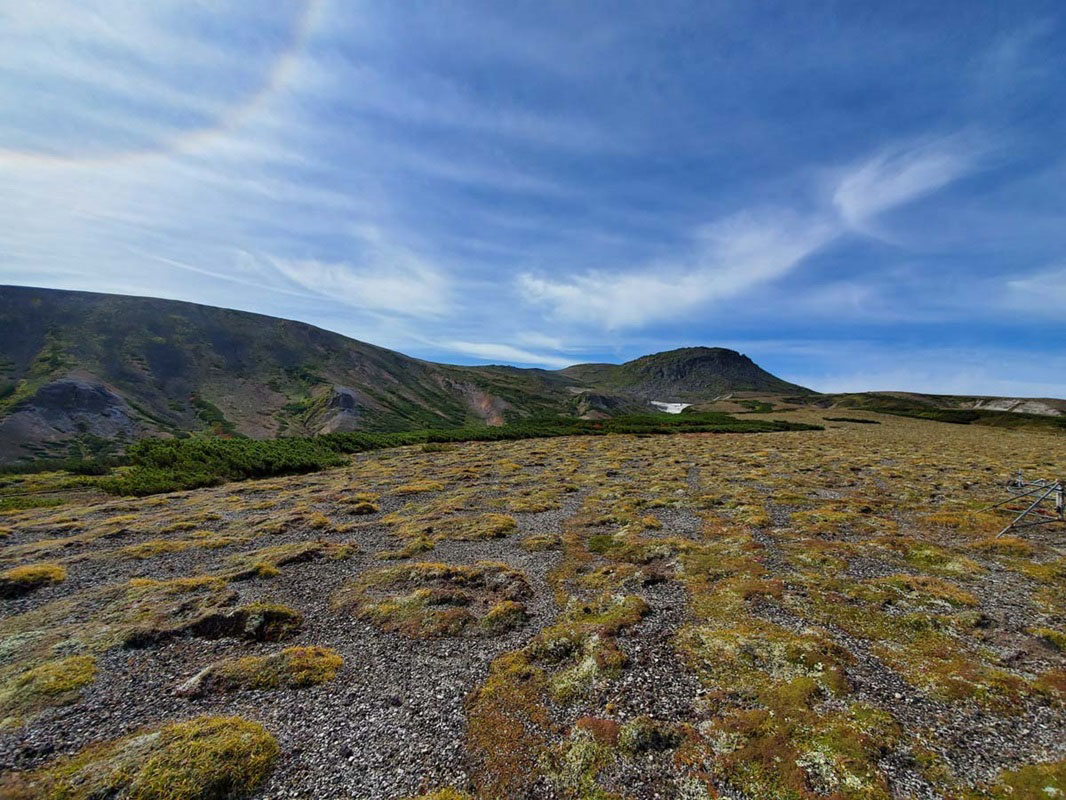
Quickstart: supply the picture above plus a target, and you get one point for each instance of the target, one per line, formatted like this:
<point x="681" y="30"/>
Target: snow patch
<point x="670" y="408"/>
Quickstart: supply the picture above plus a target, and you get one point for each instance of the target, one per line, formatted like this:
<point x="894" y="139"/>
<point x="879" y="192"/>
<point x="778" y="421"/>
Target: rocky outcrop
<point x="344" y="410"/>
<point x="63" y="409"/>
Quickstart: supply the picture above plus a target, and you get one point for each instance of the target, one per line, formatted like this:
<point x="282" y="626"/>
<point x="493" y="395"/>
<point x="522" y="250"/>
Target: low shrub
<point x="18" y="581"/>
<point x="167" y="465"/>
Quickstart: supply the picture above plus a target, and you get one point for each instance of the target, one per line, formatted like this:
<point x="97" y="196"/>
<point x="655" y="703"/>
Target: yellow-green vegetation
<point x="158" y="547"/>
<point x="921" y="627"/>
<point x="508" y="729"/>
<point x="267" y="562"/>
<point x="413" y="547"/>
<point x="18" y="581"/>
<point x="53" y="683"/>
<point x="1032" y="782"/>
<point x="206" y="758"/>
<point x="583" y="643"/>
<point x="765" y="683"/>
<point x="1004" y="546"/>
<point x="482" y="526"/>
<point x="1055" y="638"/>
<point x="594" y="745"/>
<point x="138" y="613"/>
<point x="791" y="593"/>
<point x="417" y="487"/>
<point x="539" y="542"/>
<point x="291" y="668"/>
<point x="427" y="599"/>
<point x="363" y="507"/>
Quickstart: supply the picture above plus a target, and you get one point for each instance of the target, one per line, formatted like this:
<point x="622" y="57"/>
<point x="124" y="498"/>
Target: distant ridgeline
<point x="83" y="375"/>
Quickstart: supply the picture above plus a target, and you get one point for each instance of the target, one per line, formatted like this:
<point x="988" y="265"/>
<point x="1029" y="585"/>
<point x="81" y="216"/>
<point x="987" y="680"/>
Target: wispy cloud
<point x="538" y="188"/>
<point x="1039" y="293"/>
<point x="749" y="249"/>
<point x="385" y="277"/>
<point x="729" y="258"/>
<point x="899" y="175"/>
<point x="507" y="354"/>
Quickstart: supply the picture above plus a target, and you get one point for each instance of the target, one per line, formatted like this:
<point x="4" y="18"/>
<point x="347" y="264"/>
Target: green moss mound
<point x="292" y="668"/>
<point x="18" y="581"/>
<point x="429" y="600"/>
<point x="52" y="683"/>
<point x="206" y="758"/>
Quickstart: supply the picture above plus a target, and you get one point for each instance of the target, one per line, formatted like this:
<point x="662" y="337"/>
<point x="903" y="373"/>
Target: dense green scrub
<point x="164" y="465"/>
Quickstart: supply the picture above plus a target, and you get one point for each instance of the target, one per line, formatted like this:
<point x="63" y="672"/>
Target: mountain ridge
<point x="90" y="366"/>
<point x="89" y="370"/>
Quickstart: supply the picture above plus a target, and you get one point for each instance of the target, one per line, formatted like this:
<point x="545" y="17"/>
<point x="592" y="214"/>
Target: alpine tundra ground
<point x="781" y="615"/>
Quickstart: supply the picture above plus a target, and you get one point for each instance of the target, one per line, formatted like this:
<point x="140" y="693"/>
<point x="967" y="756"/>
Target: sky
<point x="859" y="196"/>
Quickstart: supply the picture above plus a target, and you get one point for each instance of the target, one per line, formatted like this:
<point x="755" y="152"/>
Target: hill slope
<point x="95" y="369"/>
<point x="687" y="375"/>
<point x="82" y="372"/>
<point x="86" y="364"/>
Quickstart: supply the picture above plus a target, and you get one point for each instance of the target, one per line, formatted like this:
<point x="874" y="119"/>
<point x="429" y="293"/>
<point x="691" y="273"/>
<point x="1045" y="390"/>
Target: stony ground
<point x="787" y="615"/>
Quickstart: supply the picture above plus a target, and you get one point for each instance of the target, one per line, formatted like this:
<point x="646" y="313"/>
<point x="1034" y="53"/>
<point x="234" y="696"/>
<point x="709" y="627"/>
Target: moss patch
<point x="292" y="668"/>
<point x="1033" y="782"/>
<point x="427" y="600"/>
<point x="206" y="758"/>
<point x="53" y="683"/>
<point x="19" y="581"/>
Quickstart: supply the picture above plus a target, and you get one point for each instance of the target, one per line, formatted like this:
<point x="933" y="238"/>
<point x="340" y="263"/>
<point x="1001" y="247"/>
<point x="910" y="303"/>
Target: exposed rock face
<point x="1018" y="406"/>
<point x="72" y="404"/>
<point x="592" y="405"/>
<point x="344" y="410"/>
<point x="65" y="408"/>
<point x="487" y="407"/>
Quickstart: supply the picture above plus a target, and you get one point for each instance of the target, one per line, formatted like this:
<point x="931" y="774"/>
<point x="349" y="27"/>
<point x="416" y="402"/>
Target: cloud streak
<point x="544" y="188"/>
<point x="898" y="176"/>
<point x="508" y="354"/>
<point x="747" y="250"/>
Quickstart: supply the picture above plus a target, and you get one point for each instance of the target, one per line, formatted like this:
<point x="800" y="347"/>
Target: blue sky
<point x="857" y="195"/>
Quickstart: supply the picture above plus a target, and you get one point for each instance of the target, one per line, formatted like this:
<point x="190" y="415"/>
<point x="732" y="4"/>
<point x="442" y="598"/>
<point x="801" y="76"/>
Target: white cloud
<point x="749" y="249"/>
<point x="1041" y="290"/>
<point x="538" y="339"/>
<point x="505" y="353"/>
<point x="899" y="175"/>
<point x="387" y="279"/>
<point x="730" y="257"/>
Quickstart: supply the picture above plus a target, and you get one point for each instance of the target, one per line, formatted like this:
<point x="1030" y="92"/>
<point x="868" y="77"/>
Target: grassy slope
<point x="186" y="367"/>
<point x="183" y="367"/>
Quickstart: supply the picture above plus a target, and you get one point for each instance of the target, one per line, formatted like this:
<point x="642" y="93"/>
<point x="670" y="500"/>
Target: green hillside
<point x="686" y="375"/>
<point x="83" y="372"/>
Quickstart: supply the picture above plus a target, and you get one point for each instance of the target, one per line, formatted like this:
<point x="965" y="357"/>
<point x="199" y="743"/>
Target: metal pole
<point x="1012" y="498"/>
<point x="1036" y="502"/>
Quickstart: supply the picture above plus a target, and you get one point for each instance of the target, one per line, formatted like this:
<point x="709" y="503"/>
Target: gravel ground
<point x="393" y="724"/>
